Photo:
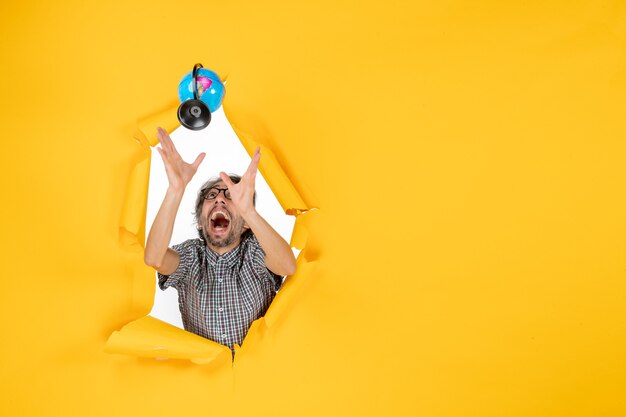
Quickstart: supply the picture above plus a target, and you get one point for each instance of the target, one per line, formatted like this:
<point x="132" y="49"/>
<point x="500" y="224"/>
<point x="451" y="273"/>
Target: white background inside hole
<point x="224" y="153"/>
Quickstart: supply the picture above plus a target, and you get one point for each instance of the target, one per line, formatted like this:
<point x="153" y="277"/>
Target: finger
<point x="165" y="156"/>
<point x="167" y="165"/>
<point x="160" y="136"/>
<point x="166" y="161"/>
<point x="164" y="139"/>
<point x="254" y="164"/>
<point x="198" y="161"/>
<point x="229" y="183"/>
<point x="163" y="152"/>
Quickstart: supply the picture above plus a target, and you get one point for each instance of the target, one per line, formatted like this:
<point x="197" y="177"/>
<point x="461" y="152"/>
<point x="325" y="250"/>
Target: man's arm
<point x="157" y="254"/>
<point x="278" y="255"/>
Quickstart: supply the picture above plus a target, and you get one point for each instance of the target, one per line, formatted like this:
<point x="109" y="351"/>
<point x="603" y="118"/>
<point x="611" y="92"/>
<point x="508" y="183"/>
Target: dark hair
<point x="202" y="193"/>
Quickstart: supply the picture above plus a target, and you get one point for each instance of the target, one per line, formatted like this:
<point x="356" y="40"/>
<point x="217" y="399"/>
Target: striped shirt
<point x="219" y="296"/>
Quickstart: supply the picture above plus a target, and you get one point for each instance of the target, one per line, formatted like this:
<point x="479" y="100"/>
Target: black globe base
<point x="194" y="114"/>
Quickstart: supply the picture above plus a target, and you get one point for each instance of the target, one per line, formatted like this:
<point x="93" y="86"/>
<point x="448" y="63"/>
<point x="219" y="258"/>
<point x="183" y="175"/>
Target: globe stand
<point x="194" y="114"/>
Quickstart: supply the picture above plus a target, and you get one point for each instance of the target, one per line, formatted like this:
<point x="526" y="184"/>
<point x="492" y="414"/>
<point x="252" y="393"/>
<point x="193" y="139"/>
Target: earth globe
<point x="210" y="88"/>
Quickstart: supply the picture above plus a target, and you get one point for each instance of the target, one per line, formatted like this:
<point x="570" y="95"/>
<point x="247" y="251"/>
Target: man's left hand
<point x="242" y="193"/>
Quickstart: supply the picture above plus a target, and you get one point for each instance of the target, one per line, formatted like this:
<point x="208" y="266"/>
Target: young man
<point x="227" y="278"/>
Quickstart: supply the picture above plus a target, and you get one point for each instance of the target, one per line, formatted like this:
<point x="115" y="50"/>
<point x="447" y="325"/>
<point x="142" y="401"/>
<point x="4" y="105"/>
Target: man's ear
<point x="245" y="226"/>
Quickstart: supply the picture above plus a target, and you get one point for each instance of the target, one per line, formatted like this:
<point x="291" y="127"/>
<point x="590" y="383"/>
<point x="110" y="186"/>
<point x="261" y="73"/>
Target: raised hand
<point x="179" y="172"/>
<point x="242" y="193"/>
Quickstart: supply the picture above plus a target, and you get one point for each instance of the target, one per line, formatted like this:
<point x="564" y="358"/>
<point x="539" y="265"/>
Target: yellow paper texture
<point x="153" y="338"/>
<point x="278" y="181"/>
<point x="299" y="235"/>
<point x="133" y="218"/>
<point x="256" y="334"/>
<point x="147" y="126"/>
<point x="289" y="292"/>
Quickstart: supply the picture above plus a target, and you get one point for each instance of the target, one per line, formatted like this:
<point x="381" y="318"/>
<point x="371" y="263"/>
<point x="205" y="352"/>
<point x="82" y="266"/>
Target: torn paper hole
<point x="150" y="337"/>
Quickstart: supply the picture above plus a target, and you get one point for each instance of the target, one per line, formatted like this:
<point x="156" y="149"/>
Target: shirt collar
<point x="230" y="258"/>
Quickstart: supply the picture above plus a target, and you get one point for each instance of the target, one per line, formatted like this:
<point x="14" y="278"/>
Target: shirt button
<point x="220" y="309"/>
<point x="219" y="280"/>
<point x="224" y="336"/>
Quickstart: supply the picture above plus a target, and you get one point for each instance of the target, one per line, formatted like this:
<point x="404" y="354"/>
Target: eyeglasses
<point x="214" y="192"/>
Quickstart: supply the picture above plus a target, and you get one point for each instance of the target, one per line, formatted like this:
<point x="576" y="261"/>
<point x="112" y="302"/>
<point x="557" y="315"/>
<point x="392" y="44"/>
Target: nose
<point x="221" y="198"/>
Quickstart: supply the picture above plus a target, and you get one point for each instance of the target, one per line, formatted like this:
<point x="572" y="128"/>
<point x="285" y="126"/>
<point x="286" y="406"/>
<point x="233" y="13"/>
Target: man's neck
<point x="221" y="250"/>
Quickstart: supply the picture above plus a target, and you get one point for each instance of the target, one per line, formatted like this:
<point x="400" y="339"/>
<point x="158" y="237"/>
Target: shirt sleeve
<point x="187" y="252"/>
<point x="258" y="262"/>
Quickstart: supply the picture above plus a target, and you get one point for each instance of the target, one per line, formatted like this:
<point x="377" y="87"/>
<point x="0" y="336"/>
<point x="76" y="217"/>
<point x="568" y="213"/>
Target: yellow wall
<point x="467" y="159"/>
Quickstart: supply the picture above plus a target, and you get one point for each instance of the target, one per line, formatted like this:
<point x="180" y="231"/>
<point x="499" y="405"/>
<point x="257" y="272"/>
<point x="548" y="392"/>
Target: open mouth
<point x="220" y="220"/>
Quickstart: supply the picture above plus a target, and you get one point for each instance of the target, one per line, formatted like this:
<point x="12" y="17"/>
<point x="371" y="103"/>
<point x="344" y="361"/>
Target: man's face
<point x="220" y="221"/>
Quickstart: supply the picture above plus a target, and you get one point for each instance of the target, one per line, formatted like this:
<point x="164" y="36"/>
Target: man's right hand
<point x="179" y="172"/>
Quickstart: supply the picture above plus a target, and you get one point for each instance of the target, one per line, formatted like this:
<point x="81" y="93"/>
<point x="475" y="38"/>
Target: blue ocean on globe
<point x="210" y="88"/>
